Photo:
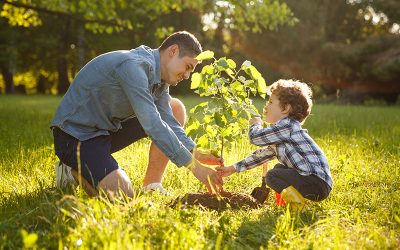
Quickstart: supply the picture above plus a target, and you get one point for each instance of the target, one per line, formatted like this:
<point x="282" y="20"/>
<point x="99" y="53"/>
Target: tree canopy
<point x="336" y="44"/>
<point x="351" y="44"/>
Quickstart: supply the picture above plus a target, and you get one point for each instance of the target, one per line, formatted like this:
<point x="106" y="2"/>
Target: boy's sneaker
<point x="64" y="176"/>
<point x="155" y="187"/>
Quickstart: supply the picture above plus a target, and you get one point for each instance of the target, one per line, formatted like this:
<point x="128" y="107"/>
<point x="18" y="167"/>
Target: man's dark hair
<point x="187" y="43"/>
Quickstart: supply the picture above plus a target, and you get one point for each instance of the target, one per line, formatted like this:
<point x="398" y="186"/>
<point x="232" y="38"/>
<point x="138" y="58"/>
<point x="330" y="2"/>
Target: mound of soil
<point x="217" y="202"/>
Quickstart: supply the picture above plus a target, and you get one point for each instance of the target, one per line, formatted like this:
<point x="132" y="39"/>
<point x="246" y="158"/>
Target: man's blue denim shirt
<point x="119" y="85"/>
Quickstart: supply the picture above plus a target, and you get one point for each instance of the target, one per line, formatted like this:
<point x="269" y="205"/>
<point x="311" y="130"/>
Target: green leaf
<point x="224" y="89"/>
<point x="201" y="108"/>
<point x="193" y="127"/>
<point x="243" y="120"/>
<point x="246" y="64"/>
<point x="230" y="73"/>
<point x="109" y="30"/>
<point x="242" y="79"/>
<point x="261" y="87"/>
<point x="237" y="86"/>
<point x="208" y="69"/>
<point x="28" y="239"/>
<point x="222" y="63"/>
<point x="203" y="104"/>
<point x="250" y="84"/>
<point x="253" y="112"/>
<point x="253" y="90"/>
<point x="231" y="63"/>
<point x="211" y="131"/>
<point x="220" y="119"/>
<point x="207" y="118"/>
<point x="196" y="79"/>
<point x="216" y="152"/>
<point x="208" y="54"/>
<point x="254" y="72"/>
<point x="231" y="130"/>
<point x="203" y="142"/>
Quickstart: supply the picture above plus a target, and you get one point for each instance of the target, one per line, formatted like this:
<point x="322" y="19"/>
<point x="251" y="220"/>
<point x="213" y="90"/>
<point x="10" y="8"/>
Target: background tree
<point x="336" y="44"/>
<point x="71" y="22"/>
<point x="348" y="45"/>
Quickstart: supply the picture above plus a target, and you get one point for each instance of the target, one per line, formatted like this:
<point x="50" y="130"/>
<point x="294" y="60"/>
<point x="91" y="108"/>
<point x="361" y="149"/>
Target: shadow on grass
<point x="37" y="212"/>
<point x="271" y="227"/>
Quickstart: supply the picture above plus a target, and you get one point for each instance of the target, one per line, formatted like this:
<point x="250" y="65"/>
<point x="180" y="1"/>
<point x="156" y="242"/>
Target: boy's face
<point x="273" y="112"/>
<point x="179" y="68"/>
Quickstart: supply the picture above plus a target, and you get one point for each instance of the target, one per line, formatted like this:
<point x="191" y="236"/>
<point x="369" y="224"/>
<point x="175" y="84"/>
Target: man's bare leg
<point x="157" y="160"/>
<point x="114" y="182"/>
<point x="89" y="189"/>
<point x="118" y="180"/>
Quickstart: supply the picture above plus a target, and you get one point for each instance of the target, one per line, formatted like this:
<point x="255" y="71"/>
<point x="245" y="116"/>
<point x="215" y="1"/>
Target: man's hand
<point x="225" y="171"/>
<point x="207" y="176"/>
<point x="255" y="120"/>
<point x="208" y="158"/>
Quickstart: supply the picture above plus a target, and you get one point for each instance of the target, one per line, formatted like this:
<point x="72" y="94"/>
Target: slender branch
<point x="223" y="112"/>
<point x="65" y="14"/>
<point x="235" y="77"/>
<point x="222" y="147"/>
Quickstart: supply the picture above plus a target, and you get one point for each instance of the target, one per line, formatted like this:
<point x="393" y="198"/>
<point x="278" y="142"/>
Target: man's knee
<point x="116" y="181"/>
<point x="179" y="110"/>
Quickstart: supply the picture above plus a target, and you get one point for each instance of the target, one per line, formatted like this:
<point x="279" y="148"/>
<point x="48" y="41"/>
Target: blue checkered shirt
<point x="291" y="145"/>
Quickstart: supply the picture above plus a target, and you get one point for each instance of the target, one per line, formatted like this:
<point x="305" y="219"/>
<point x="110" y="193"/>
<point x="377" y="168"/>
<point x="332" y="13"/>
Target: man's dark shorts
<point x="95" y="154"/>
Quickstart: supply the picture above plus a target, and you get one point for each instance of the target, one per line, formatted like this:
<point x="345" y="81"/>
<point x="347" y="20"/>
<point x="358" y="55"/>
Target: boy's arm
<point x="255" y="159"/>
<point x="273" y="134"/>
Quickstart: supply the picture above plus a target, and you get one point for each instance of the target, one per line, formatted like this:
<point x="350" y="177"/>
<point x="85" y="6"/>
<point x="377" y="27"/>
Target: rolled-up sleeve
<point x="135" y="82"/>
<point x="164" y="108"/>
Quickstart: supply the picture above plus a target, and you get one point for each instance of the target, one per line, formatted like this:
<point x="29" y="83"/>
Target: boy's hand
<point x="225" y="171"/>
<point x="208" y="158"/>
<point x="255" y="120"/>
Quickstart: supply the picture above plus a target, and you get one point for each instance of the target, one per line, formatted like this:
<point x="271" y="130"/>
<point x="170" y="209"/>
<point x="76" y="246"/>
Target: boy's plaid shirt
<point x="291" y="145"/>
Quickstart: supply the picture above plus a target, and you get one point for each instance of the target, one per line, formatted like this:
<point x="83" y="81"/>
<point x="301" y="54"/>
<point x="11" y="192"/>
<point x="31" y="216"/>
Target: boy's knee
<point x="268" y="179"/>
<point x="179" y="110"/>
<point x="272" y="180"/>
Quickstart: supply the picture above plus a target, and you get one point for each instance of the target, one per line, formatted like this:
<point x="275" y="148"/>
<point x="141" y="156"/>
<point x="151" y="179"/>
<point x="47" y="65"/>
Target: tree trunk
<point x="63" y="81"/>
<point x="62" y="64"/>
<point x="81" y="46"/>
<point x="8" y="80"/>
<point x="41" y="85"/>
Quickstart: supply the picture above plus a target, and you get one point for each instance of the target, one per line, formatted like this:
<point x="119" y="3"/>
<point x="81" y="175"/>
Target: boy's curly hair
<point x="295" y="93"/>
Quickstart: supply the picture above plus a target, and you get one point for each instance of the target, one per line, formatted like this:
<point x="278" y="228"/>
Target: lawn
<point x="362" y="144"/>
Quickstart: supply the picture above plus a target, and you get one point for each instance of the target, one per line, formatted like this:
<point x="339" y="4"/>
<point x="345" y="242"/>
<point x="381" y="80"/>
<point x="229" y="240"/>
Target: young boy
<point x="302" y="171"/>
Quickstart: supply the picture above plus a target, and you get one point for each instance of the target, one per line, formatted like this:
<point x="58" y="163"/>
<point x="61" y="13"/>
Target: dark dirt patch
<point x="217" y="202"/>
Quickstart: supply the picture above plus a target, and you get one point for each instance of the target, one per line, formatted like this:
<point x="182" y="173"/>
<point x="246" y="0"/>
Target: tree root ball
<point x="216" y="202"/>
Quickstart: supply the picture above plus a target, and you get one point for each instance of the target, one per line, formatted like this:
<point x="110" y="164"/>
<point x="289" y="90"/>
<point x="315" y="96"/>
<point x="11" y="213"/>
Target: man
<point x="118" y="98"/>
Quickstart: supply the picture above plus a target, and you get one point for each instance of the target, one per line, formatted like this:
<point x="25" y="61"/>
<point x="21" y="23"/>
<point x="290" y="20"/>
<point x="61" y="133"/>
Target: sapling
<point x="216" y="123"/>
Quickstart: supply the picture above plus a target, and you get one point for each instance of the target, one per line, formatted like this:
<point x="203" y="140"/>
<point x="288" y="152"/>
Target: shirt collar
<point x="156" y="54"/>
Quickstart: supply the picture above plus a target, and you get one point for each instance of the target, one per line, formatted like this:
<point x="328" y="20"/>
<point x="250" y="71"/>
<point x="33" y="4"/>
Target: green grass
<point x="362" y="212"/>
